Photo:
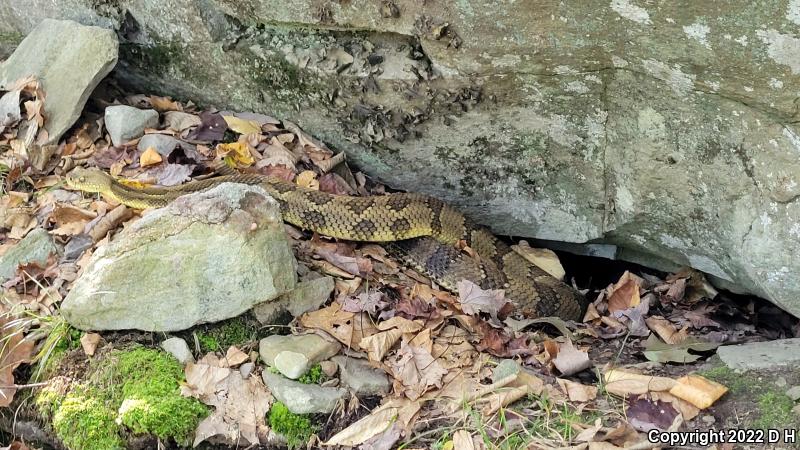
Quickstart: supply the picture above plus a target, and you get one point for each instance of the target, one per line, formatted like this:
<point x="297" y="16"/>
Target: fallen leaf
<point x="398" y="411"/>
<point x="474" y="300"/>
<point x="687" y="410"/>
<point x="171" y="174"/>
<point x="645" y="414"/>
<point x="623" y="383"/>
<point x="462" y="440"/>
<point x="212" y="128"/>
<point x="348" y="328"/>
<point x="416" y="369"/>
<point x="666" y="330"/>
<point x="625" y="293"/>
<point x="656" y="350"/>
<point x="543" y="258"/>
<point x="307" y="179"/>
<point x="236" y="152"/>
<point x="570" y="360"/>
<point x="577" y="392"/>
<point x="89" y="343"/>
<point x="162" y="104"/>
<point x="369" y="302"/>
<point x="180" y="121"/>
<point x="234" y="357"/>
<point x="240" y="405"/>
<point x="379" y="344"/>
<point x="14" y="350"/>
<point x="150" y="157"/>
<point x="699" y="391"/>
<point x="334" y="184"/>
<point x="242" y="126"/>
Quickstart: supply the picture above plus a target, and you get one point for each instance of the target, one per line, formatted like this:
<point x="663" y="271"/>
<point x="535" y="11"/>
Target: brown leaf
<point x="307" y="179"/>
<point x="577" y="392"/>
<point x="379" y="344"/>
<point x="645" y="414"/>
<point x="334" y="184"/>
<point x="349" y="328"/>
<point x="240" y="405"/>
<point x="278" y="171"/>
<point x="623" y="383"/>
<point x="14" y="351"/>
<point x="625" y="293"/>
<point x="697" y="390"/>
<point x="543" y="258"/>
<point x="570" y="360"/>
<point x="369" y="302"/>
<point x="89" y="343"/>
<point x="666" y="330"/>
<point x="212" y="128"/>
<point x="234" y="357"/>
<point x="474" y="300"/>
<point x="162" y="104"/>
<point x="417" y="370"/>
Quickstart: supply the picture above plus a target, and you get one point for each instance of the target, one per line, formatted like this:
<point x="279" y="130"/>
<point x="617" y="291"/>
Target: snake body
<point x="421" y="230"/>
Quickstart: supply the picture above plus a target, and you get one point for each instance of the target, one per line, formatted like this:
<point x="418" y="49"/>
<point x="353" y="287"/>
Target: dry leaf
<point x="236" y="153"/>
<point x="240" y="405"/>
<point x="699" y="391"/>
<point x="400" y="411"/>
<point x="379" y="344"/>
<point x="162" y="104"/>
<point x="150" y="157"/>
<point x="89" y="343"/>
<point x="234" y="357"/>
<point x="14" y="351"/>
<point x="655" y="350"/>
<point x="242" y="126"/>
<point x="570" y="360"/>
<point x="623" y="383"/>
<point x="307" y="179"/>
<point x="417" y="370"/>
<point x="625" y="293"/>
<point x="666" y="330"/>
<point x="474" y="300"/>
<point x="544" y="258"/>
<point x="462" y="440"/>
<point x="577" y="392"/>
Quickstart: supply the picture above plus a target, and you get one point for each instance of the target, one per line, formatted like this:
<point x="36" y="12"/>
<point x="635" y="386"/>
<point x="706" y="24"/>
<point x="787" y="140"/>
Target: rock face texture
<point x="206" y="257"/>
<point x="69" y="58"/>
<point x="667" y="132"/>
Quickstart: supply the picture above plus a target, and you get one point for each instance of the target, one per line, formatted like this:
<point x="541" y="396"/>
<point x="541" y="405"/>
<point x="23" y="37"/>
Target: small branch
<point x="23" y="386"/>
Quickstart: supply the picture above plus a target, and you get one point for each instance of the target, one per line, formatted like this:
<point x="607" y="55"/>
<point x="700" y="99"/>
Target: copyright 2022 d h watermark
<point x="728" y="436"/>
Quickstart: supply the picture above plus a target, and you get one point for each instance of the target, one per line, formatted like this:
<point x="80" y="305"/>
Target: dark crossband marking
<point x="360" y="205"/>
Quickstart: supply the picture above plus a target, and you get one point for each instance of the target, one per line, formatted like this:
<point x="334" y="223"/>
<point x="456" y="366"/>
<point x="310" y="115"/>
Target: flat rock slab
<point x="762" y="355"/>
<point x="70" y="59"/>
<point x="178" y="348"/>
<point x="303" y="398"/>
<point x="36" y="247"/>
<point x="294" y="355"/>
<point x="206" y="257"/>
<point x="362" y="378"/>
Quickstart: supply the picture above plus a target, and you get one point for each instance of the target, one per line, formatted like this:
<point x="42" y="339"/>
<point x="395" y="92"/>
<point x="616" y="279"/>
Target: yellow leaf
<point x="307" y="179"/>
<point x="623" y="384"/>
<point x="239" y="153"/>
<point x="699" y="391"/>
<point x="242" y="126"/>
<point x="149" y="157"/>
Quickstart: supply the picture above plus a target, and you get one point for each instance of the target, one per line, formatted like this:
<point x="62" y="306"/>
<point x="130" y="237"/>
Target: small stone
<point x="796" y="410"/>
<point x="794" y="393"/>
<point x="246" y="369"/>
<point x="309" y="295"/>
<point x="360" y="377"/>
<point x="125" y="123"/>
<point x="780" y="382"/>
<point x="161" y="143"/>
<point x="303" y="398"/>
<point x="329" y="368"/>
<point x="294" y="355"/>
<point x="708" y="419"/>
<point x="178" y="348"/>
<point x="36" y="247"/>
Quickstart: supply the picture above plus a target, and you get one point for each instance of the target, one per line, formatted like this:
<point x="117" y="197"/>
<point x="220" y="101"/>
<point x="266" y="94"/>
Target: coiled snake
<point x="393" y="219"/>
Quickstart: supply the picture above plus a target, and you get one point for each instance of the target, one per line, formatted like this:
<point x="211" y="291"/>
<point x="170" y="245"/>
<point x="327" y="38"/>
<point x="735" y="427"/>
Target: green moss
<point x="296" y="428"/>
<point x="152" y="402"/>
<point x="313" y="376"/>
<point x="134" y="390"/>
<point x="776" y="411"/>
<point x="84" y="421"/>
<point x="233" y="332"/>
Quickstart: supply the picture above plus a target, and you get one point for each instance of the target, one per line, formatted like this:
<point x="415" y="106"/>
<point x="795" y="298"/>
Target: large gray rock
<point x="69" y="58"/>
<point x="761" y="355"/>
<point x="36" y="247"/>
<point x="206" y="257"/>
<point x="667" y="131"/>
<point x="125" y="123"/>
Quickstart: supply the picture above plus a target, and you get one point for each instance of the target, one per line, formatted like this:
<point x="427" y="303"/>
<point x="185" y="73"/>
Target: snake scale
<point x="421" y="230"/>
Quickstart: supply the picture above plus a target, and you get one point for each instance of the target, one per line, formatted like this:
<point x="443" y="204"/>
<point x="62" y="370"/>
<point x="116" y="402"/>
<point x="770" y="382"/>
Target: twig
<point x="23" y="386"/>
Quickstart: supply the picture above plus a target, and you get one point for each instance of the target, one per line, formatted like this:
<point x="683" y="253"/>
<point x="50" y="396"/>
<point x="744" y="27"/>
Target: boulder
<point x="125" y="123"/>
<point x="35" y="248"/>
<point x="665" y="134"/>
<point x="206" y="257"/>
<point x="70" y="59"/>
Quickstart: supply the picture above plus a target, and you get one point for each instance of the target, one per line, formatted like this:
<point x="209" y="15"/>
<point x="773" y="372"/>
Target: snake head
<point x="88" y="180"/>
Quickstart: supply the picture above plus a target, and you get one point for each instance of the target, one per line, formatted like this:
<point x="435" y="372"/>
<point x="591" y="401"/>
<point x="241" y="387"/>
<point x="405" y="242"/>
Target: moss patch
<point x="296" y="428"/>
<point x="313" y="376"/>
<point x="219" y="337"/>
<point x="134" y="391"/>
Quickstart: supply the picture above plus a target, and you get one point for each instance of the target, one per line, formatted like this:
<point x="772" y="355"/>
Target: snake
<point x="423" y="232"/>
